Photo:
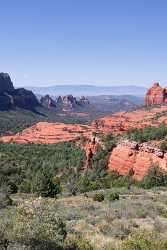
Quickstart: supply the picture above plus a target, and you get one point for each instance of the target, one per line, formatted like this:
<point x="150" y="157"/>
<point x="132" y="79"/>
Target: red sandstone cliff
<point x="131" y="156"/>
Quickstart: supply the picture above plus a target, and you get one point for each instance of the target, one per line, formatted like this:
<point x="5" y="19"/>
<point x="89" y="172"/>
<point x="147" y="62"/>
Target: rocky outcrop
<point x="11" y="97"/>
<point x="6" y="84"/>
<point x="47" y="102"/>
<point x="48" y="133"/>
<point x="129" y="156"/>
<point x="121" y="122"/>
<point x="155" y="95"/>
<point x="90" y="150"/>
<point x="69" y="102"/>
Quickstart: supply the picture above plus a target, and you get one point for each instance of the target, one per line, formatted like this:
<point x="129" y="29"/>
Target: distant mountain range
<point x="89" y="90"/>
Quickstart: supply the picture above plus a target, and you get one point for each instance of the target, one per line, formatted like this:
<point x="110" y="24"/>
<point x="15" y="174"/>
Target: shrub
<point x="5" y="200"/>
<point x="25" y="187"/>
<point x="12" y="187"/>
<point x="154" y="178"/>
<point x="163" y="146"/>
<point x="45" y="185"/>
<point x="77" y="243"/>
<point x="33" y="225"/>
<point x="109" y="141"/>
<point x="85" y="184"/>
<point x="98" y="197"/>
<point x="113" y="196"/>
<point x="147" y="133"/>
<point x="144" y="241"/>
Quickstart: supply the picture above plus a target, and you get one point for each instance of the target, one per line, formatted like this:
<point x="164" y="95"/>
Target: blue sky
<point x="102" y="42"/>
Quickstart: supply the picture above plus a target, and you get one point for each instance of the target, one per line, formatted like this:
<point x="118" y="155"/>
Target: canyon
<point x="126" y="155"/>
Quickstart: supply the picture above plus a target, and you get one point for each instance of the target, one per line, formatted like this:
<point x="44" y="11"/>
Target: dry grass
<point x="104" y="223"/>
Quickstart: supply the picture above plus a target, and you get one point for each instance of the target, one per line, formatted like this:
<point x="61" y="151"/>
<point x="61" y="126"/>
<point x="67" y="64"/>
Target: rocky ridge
<point x="65" y="103"/>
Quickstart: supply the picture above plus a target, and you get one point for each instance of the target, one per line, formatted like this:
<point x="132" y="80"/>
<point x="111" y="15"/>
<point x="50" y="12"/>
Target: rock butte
<point x="48" y="133"/>
<point x="128" y="156"/>
<point x="155" y="95"/>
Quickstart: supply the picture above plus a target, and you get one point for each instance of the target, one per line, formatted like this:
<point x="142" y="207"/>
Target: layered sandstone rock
<point x="48" y="133"/>
<point x="129" y="156"/>
<point x="155" y="95"/>
<point x="121" y="122"/>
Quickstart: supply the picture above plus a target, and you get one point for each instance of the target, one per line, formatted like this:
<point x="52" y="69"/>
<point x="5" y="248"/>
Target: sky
<point x="100" y="42"/>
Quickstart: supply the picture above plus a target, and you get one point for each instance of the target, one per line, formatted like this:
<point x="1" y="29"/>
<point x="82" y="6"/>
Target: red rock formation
<point x="48" y="133"/>
<point x="131" y="156"/>
<point x="120" y="122"/>
<point x="155" y="95"/>
<point x="90" y="150"/>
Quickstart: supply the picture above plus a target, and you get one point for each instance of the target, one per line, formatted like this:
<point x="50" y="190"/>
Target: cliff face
<point x="11" y="97"/>
<point x="155" y="95"/>
<point x="132" y="156"/>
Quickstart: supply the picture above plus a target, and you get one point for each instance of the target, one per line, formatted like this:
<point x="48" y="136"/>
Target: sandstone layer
<point x="121" y="122"/>
<point x="127" y="156"/>
<point x="48" y="133"/>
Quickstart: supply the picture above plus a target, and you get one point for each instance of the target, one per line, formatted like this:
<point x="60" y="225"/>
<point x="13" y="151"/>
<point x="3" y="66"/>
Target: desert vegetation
<point x="147" y="134"/>
<point x="47" y="200"/>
